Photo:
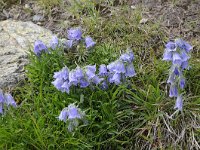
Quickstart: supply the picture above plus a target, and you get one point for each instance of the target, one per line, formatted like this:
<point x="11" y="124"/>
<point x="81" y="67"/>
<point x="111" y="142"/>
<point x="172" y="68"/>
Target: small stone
<point x="143" y="20"/>
<point x="37" y="18"/>
<point x="133" y="7"/>
<point x="27" y="6"/>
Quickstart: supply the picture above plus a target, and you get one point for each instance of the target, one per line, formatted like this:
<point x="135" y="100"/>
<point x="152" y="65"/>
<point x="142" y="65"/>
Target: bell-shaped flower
<point x="104" y="85"/>
<point x="84" y="83"/>
<point x="184" y="65"/>
<point x="115" y="78"/>
<point x="182" y="82"/>
<point x="74" y="112"/>
<point x="39" y="47"/>
<point x="173" y="91"/>
<point x="116" y="67"/>
<point x="168" y="55"/>
<point x="63" y="74"/>
<point x="172" y="78"/>
<point x="103" y="70"/>
<point x="65" y="87"/>
<point x="127" y="57"/>
<point x="179" y="103"/>
<point x="54" y="42"/>
<point x="9" y="100"/>
<point x="58" y="82"/>
<point x="89" y="42"/>
<point x="72" y="78"/>
<point x="90" y="71"/>
<point x="1" y="96"/>
<point x="74" y="34"/>
<point x="130" y="71"/>
<point x="184" y="55"/>
<point x="177" y="58"/>
<point x="63" y="115"/>
<point x="183" y="45"/>
<point x="171" y="46"/>
<point x="96" y="80"/>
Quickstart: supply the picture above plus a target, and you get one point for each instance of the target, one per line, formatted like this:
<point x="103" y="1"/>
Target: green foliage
<point x="136" y="115"/>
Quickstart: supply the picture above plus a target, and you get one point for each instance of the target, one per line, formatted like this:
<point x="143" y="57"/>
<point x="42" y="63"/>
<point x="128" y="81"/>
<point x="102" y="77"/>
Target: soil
<point x="180" y="17"/>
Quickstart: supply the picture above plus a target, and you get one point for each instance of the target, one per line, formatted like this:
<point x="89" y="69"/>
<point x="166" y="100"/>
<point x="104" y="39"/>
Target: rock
<point x="143" y="20"/>
<point x="16" y="39"/>
<point x="37" y="18"/>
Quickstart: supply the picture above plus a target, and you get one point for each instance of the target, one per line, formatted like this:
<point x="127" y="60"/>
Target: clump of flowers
<point x="72" y="114"/>
<point x="116" y="72"/>
<point x="6" y="99"/>
<point x="75" y="43"/>
<point x="178" y="52"/>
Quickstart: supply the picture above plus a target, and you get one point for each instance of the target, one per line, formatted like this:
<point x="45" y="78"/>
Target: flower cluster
<point x="72" y="114"/>
<point x="116" y="72"/>
<point x="178" y="53"/>
<point x="74" y="36"/>
<point x="6" y="99"/>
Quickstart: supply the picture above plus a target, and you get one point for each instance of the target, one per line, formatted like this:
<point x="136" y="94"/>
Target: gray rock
<point x="16" y="38"/>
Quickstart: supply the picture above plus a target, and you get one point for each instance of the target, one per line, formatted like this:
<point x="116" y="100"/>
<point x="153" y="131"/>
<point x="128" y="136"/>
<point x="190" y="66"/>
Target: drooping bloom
<point x="130" y="71"/>
<point x="39" y="47"/>
<point x="9" y="100"/>
<point x="89" y="42"/>
<point x="173" y="91"/>
<point x="176" y="58"/>
<point x="116" y="67"/>
<point x="96" y="80"/>
<point x="63" y="74"/>
<point x="63" y="115"/>
<point x="182" y="82"/>
<point x="183" y="45"/>
<point x="103" y="70"/>
<point x="84" y="83"/>
<point x="1" y="96"/>
<point x="171" y="46"/>
<point x="115" y="78"/>
<point x="74" y="34"/>
<point x="54" y="42"/>
<point x="179" y="103"/>
<point x="168" y="55"/>
<point x="71" y="114"/>
<point x="127" y="57"/>
<point x="90" y="71"/>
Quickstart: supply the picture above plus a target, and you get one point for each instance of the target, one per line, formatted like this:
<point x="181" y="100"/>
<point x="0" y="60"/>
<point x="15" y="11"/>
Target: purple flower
<point x="184" y="55"/>
<point x="184" y="65"/>
<point x="176" y="71"/>
<point x="173" y="91"/>
<point x="84" y="83"/>
<point x="74" y="34"/>
<point x="103" y="70"/>
<point x="116" y="67"/>
<point x="1" y="96"/>
<point x="115" y="78"/>
<point x="1" y="108"/>
<point x="182" y="82"/>
<point x="130" y="71"/>
<point x="63" y="115"/>
<point x="74" y="112"/>
<point x="10" y="100"/>
<point x="96" y="80"/>
<point x="171" y="78"/>
<point x="79" y="73"/>
<point x="167" y="56"/>
<point x="171" y="46"/>
<point x="72" y="78"/>
<point x="127" y="57"/>
<point x="89" y="42"/>
<point x="39" y="46"/>
<point x="58" y="82"/>
<point x="177" y="59"/>
<point x="90" y="71"/>
<point x="63" y="74"/>
<point x="183" y="45"/>
<point x="179" y="103"/>
<point x="54" y="42"/>
<point x="65" y="87"/>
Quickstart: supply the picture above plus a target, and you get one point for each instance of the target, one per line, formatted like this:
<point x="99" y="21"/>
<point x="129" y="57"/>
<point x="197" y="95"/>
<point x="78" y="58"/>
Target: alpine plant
<point x="178" y="52"/>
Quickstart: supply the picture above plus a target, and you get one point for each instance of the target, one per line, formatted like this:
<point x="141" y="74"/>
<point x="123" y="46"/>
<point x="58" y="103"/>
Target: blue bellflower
<point x="116" y="67"/>
<point x="90" y="71"/>
<point x="89" y="42"/>
<point x="130" y="71"/>
<point x="54" y="42"/>
<point x="127" y="57"/>
<point x="74" y="34"/>
<point x="173" y="91"/>
<point x="103" y="70"/>
<point x="10" y="100"/>
<point x="39" y="47"/>
<point x="183" y="45"/>
<point x="179" y="103"/>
